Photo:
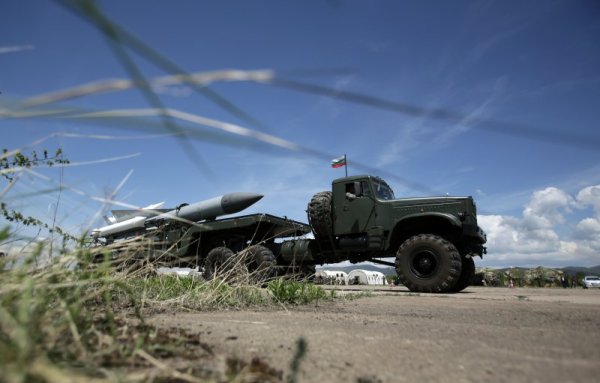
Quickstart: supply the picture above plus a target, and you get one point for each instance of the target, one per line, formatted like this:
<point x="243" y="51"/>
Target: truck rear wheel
<point x="217" y="262"/>
<point x="261" y="263"/>
<point x="428" y="263"/>
<point x="466" y="275"/>
<point x="319" y="215"/>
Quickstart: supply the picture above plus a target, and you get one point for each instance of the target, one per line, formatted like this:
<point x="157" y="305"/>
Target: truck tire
<point x="217" y="262"/>
<point x="428" y="263"/>
<point x="308" y="272"/>
<point x="319" y="215"/>
<point x="261" y="263"/>
<point x="466" y="275"/>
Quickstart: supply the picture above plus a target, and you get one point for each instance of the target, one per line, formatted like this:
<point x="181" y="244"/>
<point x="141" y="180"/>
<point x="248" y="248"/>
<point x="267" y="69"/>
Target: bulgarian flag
<point x="338" y="162"/>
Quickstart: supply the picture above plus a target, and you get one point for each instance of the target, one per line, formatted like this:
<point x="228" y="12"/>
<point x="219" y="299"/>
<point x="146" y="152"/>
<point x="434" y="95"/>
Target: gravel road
<point x="479" y="335"/>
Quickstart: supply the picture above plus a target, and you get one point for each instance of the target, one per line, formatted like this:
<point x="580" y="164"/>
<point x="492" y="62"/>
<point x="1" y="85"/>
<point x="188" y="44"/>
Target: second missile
<point x="209" y="209"/>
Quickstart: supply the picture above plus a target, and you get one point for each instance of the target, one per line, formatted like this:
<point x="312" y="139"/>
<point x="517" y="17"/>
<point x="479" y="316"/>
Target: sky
<point x="499" y="100"/>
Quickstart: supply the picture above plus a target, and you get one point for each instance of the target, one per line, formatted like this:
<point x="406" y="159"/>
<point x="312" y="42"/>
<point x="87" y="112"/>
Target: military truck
<point x="433" y="240"/>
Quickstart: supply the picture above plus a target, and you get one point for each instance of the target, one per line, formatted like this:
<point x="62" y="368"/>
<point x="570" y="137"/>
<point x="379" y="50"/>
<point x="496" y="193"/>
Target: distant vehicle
<point x="591" y="281"/>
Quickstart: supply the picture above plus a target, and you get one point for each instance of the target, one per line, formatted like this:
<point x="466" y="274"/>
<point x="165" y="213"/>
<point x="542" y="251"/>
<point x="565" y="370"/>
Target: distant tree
<point x="579" y="277"/>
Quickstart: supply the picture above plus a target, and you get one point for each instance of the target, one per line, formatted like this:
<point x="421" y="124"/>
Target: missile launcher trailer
<point x="212" y="244"/>
<point x="433" y="240"/>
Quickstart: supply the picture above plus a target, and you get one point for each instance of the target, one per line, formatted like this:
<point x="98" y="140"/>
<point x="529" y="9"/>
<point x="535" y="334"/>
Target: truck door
<point x="354" y="210"/>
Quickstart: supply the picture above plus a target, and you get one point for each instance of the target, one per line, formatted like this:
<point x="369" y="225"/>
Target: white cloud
<point x="590" y="196"/>
<point x="546" y="208"/>
<point x="408" y="138"/>
<point x="427" y="131"/>
<point x="588" y="226"/>
<point x="546" y="233"/>
<point x="13" y="49"/>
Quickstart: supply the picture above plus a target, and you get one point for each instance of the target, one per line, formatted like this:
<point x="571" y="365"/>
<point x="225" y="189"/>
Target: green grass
<point x="294" y="292"/>
<point x="196" y="293"/>
<point x="72" y="323"/>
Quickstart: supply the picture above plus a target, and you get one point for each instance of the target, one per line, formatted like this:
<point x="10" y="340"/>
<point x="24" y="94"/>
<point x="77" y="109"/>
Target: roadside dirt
<point x="481" y="334"/>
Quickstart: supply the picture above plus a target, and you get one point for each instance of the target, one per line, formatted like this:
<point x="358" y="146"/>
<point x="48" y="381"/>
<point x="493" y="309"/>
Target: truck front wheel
<point x="428" y="263"/>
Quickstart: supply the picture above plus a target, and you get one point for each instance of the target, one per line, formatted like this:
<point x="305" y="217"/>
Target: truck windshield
<point x="382" y="190"/>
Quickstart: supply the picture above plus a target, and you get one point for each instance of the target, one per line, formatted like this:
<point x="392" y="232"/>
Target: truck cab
<point x="366" y="210"/>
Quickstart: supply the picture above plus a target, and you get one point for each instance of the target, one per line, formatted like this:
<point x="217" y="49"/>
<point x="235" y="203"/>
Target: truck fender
<point x="452" y="219"/>
<point x="420" y="223"/>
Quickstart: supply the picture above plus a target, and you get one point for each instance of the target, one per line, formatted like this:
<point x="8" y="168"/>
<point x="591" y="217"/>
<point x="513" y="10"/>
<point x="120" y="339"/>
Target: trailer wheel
<point x="261" y="263"/>
<point x="308" y="272"/>
<point x="428" y="263"/>
<point x="216" y="262"/>
<point x="319" y="215"/>
<point x="299" y="272"/>
<point x="466" y="275"/>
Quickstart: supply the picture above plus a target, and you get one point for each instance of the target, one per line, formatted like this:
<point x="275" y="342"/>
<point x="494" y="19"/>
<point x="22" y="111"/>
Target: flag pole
<point x="346" y="162"/>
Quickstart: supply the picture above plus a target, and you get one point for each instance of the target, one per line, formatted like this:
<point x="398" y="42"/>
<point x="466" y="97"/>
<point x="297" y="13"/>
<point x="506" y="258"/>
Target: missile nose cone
<point x="235" y="202"/>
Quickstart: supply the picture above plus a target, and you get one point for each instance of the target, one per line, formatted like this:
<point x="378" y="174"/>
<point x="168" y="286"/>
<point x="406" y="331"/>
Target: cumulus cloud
<point x="547" y="208"/>
<point x="590" y="196"/>
<point x="547" y="233"/>
<point x="588" y="231"/>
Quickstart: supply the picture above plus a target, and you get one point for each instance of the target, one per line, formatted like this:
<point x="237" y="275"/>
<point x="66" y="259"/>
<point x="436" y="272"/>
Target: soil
<point x="482" y="334"/>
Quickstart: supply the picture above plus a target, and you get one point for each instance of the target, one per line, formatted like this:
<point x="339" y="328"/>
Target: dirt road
<point x="480" y="335"/>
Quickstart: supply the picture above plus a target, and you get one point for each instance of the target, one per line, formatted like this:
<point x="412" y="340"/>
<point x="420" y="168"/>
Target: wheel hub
<point x="424" y="264"/>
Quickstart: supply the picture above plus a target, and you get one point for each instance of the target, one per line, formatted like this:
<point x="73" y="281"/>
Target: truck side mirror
<point x="358" y="189"/>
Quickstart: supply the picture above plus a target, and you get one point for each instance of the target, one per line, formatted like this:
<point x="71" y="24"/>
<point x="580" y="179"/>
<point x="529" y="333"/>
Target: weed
<point x="196" y="293"/>
<point x="294" y="292"/>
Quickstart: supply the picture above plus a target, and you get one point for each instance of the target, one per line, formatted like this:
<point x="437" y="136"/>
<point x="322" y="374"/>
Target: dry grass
<point x="80" y="320"/>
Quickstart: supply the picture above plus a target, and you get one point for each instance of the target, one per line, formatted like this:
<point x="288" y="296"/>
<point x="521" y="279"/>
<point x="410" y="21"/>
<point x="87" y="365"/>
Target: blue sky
<point x="520" y="79"/>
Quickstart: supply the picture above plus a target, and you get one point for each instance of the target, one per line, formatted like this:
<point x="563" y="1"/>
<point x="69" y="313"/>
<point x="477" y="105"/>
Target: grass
<point x="195" y="293"/>
<point x="294" y="292"/>
<point x="72" y="320"/>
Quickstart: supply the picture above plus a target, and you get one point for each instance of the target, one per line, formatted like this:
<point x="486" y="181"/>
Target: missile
<point x="209" y="209"/>
<point x="126" y="220"/>
<point x="148" y="211"/>
<point x="129" y="220"/>
<point x="119" y="227"/>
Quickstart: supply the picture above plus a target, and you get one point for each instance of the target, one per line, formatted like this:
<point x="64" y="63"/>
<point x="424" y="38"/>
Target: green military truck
<point x="433" y="240"/>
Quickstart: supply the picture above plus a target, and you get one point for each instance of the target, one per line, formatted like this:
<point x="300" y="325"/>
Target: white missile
<point x="121" y="223"/>
<point x="119" y="227"/>
<point x="148" y="211"/>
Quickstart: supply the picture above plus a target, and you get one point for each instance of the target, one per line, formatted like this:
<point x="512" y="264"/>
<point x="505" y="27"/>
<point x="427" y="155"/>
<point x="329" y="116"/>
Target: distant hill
<point x="572" y="270"/>
<point x="386" y="270"/>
